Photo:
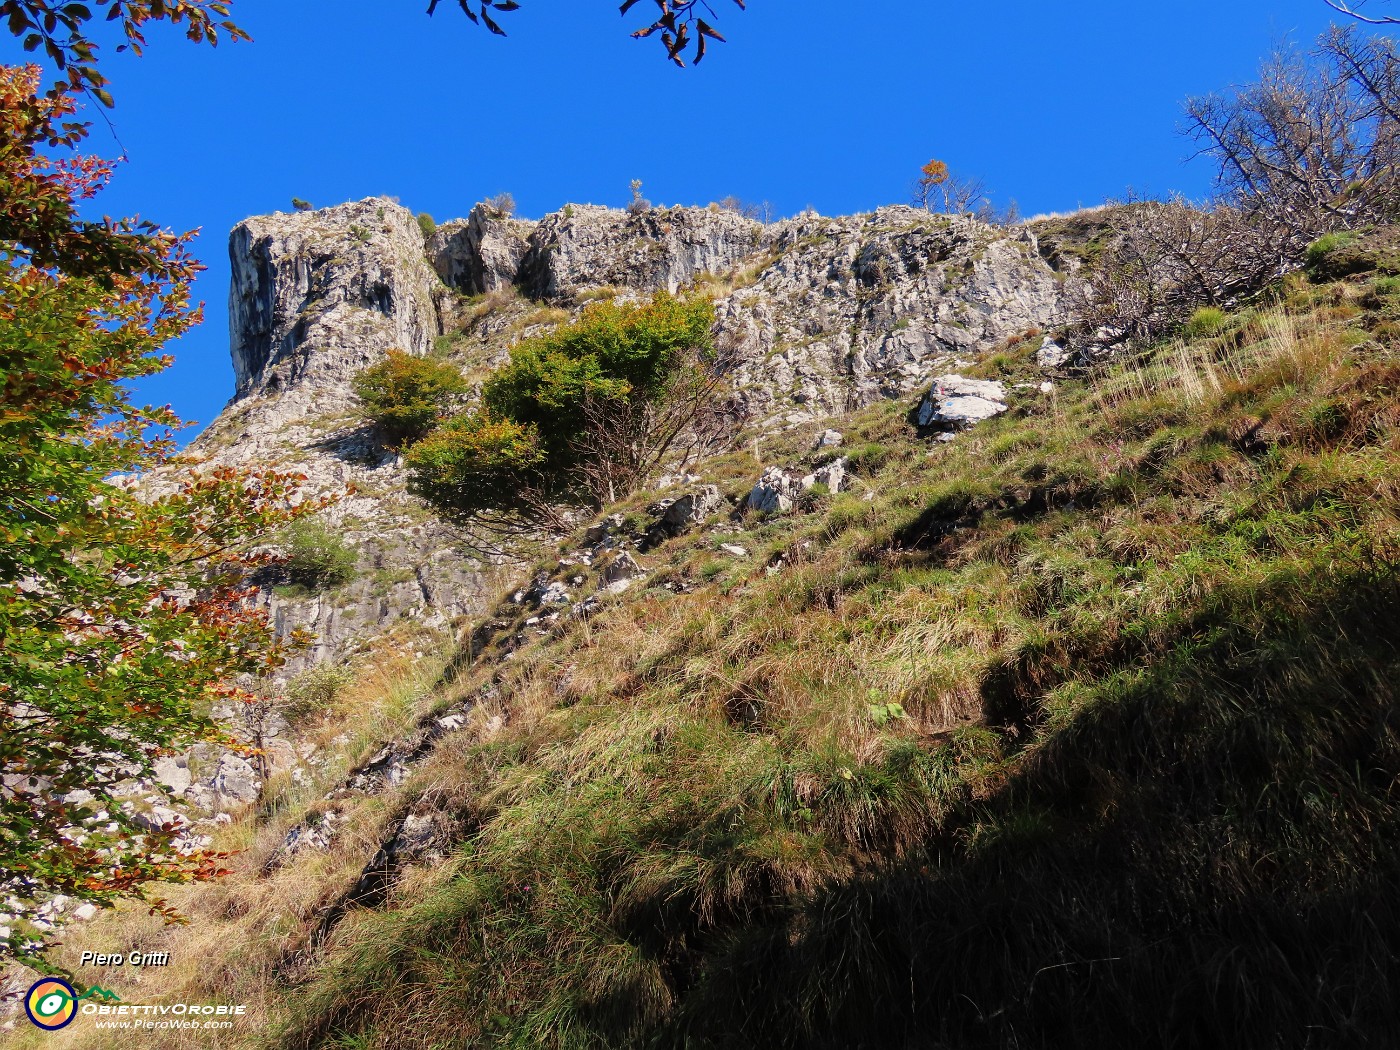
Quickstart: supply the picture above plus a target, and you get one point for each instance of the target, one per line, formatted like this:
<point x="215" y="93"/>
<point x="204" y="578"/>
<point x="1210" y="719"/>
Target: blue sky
<point x="824" y="103"/>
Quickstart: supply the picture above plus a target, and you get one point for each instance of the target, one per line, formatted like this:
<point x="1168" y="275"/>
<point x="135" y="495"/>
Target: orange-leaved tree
<point x="122" y="619"/>
<point x="931" y="176"/>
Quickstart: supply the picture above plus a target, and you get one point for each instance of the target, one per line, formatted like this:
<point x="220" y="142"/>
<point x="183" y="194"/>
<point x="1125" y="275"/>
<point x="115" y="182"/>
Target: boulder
<point x="775" y="492"/>
<point x="173" y="771"/>
<point x="1052" y="355"/>
<point x="832" y="475"/>
<point x="954" y="403"/>
<point x="691" y="509"/>
<point x="235" y="779"/>
<point x="618" y="574"/>
<point x="554" y="593"/>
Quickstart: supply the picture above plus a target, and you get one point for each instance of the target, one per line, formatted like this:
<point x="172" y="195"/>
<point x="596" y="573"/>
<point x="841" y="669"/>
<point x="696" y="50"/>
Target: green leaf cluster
<point x="405" y="396"/>
<point x="121" y="617"/>
<point x="316" y="557"/>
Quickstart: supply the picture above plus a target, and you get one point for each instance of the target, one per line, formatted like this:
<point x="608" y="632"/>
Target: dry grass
<point x="1078" y="731"/>
<point x="240" y="928"/>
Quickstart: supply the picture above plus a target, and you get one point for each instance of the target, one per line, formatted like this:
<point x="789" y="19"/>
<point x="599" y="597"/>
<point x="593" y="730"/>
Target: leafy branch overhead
<point x="678" y="21"/>
<point x="58" y="28"/>
<point x="675" y="22"/>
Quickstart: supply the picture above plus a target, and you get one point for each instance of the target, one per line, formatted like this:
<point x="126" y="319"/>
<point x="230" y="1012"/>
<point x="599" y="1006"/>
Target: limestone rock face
<point x="855" y="309"/>
<point x="316" y="296"/>
<point x="816" y="316"/>
<point x="585" y="246"/>
<point x="482" y="253"/>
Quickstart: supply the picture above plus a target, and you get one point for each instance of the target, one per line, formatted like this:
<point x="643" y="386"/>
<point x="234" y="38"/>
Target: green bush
<point x="476" y="463"/>
<point x="522" y="447"/>
<point x="316" y="557"/>
<point x="426" y="224"/>
<point x="300" y="205"/>
<point x="614" y="351"/>
<point x="316" y="688"/>
<point x="405" y="396"/>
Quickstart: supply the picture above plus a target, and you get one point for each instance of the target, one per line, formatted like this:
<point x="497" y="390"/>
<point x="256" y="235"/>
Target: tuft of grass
<point x="1205" y="322"/>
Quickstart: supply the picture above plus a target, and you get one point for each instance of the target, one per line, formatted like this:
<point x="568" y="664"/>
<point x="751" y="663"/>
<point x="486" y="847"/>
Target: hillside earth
<point x="981" y="695"/>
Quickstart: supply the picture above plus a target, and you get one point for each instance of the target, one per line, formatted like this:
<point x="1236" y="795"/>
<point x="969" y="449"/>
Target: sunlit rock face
<point x="585" y="246"/>
<point x="315" y="296"/>
<point x="816" y="316"/>
<point x="859" y="308"/>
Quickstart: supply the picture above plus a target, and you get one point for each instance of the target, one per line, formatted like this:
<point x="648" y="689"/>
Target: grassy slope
<point x="1079" y="732"/>
<point x="1138" y="788"/>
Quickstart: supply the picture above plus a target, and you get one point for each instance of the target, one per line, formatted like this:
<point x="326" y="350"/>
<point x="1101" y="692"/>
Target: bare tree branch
<point x="1346" y="9"/>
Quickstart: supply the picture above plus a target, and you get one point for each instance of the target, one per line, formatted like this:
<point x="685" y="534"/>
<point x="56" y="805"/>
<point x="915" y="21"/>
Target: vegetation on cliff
<point x="581" y="414"/>
<point x="1076" y="730"/>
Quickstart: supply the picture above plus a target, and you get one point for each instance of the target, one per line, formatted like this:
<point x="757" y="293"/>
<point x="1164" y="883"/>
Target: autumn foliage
<point x="122" y="619"/>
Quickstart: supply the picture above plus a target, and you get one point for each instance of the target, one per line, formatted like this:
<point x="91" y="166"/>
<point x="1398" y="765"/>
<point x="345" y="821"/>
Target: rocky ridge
<point x="818" y="315"/>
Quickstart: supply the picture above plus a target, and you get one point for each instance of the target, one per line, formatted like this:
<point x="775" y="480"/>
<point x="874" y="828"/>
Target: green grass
<point x="1079" y="731"/>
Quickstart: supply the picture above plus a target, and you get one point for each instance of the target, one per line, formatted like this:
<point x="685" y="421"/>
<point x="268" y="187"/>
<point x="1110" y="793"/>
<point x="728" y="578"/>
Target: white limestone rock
<point x="1053" y="355"/>
<point x="316" y="296"/>
<point x="173" y="771"/>
<point x="235" y="780"/>
<point x="954" y="402"/>
<point x="481" y="253"/>
<point x="775" y="492"/>
<point x="689" y="510"/>
<point x="585" y="246"/>
<point x="832" y="475"/>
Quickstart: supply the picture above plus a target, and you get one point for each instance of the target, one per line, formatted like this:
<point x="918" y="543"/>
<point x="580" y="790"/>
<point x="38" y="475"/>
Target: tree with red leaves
<point x="123" y="619"/>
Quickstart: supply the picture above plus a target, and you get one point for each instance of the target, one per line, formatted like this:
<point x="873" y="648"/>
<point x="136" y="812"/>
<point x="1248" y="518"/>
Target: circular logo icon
<point x="51" y="1003"/>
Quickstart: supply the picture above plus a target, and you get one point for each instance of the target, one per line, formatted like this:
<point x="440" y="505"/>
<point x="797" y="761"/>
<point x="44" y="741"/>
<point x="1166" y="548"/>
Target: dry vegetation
<point x="1078" y="731"/>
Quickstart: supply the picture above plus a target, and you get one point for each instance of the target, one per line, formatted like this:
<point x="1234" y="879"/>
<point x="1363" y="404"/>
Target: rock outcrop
<point x="481" y="253"/>
<point x="586" y="246"/>
<point x="316" y="296"/>
<point x="855" y="309"/>
<point x="954" y="403"/>
<point x="816" y="316"/>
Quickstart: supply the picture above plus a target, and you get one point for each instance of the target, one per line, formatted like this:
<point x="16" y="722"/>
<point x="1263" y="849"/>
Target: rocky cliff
<point x="821" y="315"/>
